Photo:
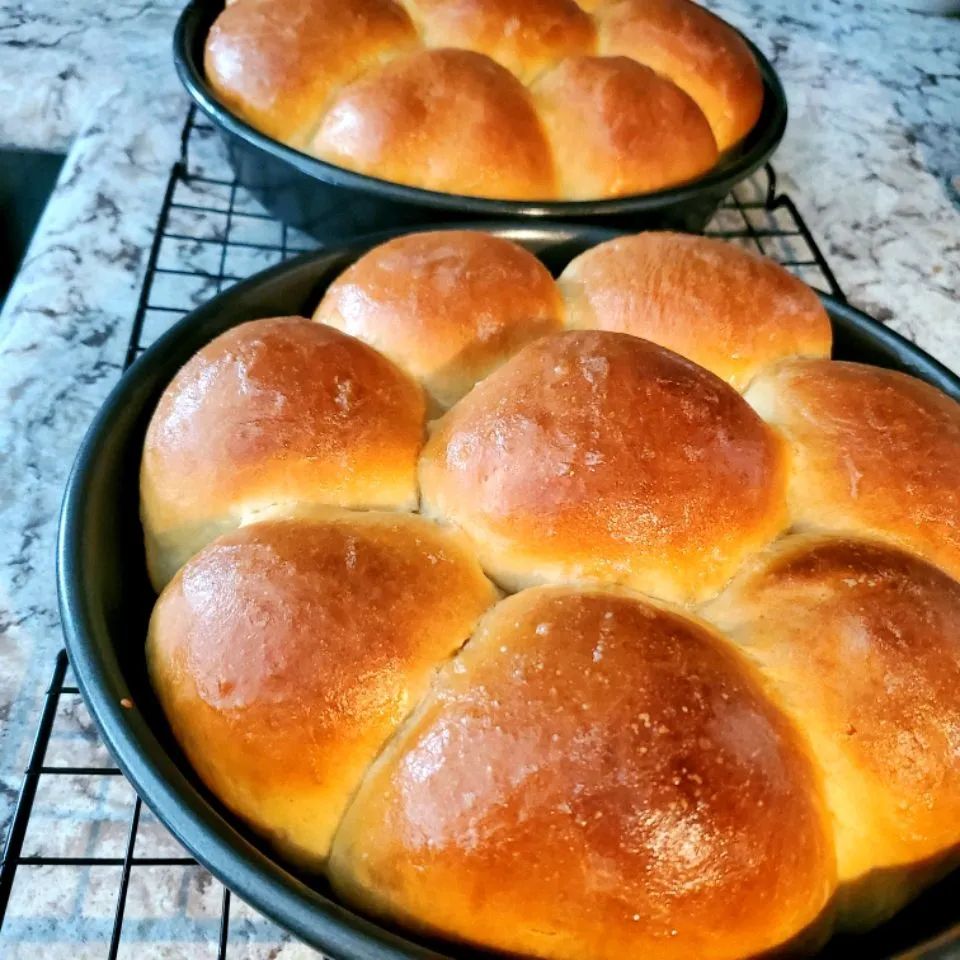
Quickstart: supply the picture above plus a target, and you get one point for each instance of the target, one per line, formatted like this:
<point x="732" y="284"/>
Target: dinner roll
<point x="275" y="411"/>
<point x="275" y="62"/>
<point x="525" y="36"/>
<point x="696" y="50"/>
<point x="594" y="455"/>
<point x="862" y="642"/>
<point x="876" y="452"/>
<point x="287" y="652"/>
<point x="593" y="776"/>
<point x="726" y="308"/>
<point x="616" y="127"/>
<point x="448" y="306"/>
<point x="450" y="120"/>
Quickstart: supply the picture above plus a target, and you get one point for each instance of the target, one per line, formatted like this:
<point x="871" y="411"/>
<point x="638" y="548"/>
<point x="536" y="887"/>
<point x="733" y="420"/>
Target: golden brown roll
<point x="287" y="652"/>
<point x="696" y="50"/>
<point x="726" y="308"/>
<point x="593" y="776"/>
<point x="616" y="127"/>
<point x="271" y="412"/>
<point x="862" y="644"/>
<point x="450" y="120"/>
<point x="593" y="455"/>
<point x="875" y="452"/>
<point x="447" y="306"/>
<point x="276" y="62"/>
<point x="525" y="36"/>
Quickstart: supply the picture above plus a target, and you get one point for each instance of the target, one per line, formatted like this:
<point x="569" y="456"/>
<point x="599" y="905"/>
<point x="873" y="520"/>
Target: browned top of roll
<point x="448" y="306"/>
<point x="616" y="127"/>
<point x="275" y="62"/>
<point x="286" y="652"/>
<point x="450" y="120"/>
<point x="876" y="452"/>
<point x="863" y="641"/>
<point x="726" y="308"/>
<point x="696" y="50"/>
<point x="274" y="411"/>
<point x="525" y="36"/>
<point x="601" y="455"/>
<point x="593" y="777"/>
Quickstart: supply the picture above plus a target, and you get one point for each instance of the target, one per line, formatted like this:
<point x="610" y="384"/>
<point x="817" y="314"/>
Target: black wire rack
<point x="88" y="873"/>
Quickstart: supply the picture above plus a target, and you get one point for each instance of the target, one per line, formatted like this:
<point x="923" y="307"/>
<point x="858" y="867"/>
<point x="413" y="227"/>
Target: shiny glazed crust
<point x="277" y="62"/>
<point x="616" y="127"/>
<point x="271" y="412"/>
<point x="448" y="306"/>
<point x="449" y="120"/>
<point x="579" y="771"/>
<point x="437" y="93"/>
<point x="726" y="308"/>
<point x="696" y="50"/>
<point x="875" y="452"/>
<point x="287" y="652"/>
<point x="601" y="456"/>
<point x="861" y="644"/>
<point x="594" y="777"/>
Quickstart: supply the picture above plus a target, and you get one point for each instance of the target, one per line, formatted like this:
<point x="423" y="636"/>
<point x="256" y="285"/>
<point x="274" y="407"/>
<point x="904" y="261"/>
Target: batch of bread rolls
<point x="595" y="618"/>
<point x="493" y="98"/>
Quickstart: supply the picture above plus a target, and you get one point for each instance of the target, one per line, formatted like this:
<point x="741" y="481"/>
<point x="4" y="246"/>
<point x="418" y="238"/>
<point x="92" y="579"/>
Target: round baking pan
<point x="105" y="602"/>
<point x="333" y="203"/>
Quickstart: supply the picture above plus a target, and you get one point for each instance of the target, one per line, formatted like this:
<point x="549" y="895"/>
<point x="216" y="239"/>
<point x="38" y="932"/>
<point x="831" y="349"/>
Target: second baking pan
<point x="332" y="203"/>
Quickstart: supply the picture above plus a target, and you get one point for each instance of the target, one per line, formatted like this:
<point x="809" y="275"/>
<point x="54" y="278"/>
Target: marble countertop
<point x="871" y="158"/>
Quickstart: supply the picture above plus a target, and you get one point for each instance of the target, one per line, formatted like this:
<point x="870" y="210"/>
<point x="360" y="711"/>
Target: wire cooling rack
<point x="88" y="873"/>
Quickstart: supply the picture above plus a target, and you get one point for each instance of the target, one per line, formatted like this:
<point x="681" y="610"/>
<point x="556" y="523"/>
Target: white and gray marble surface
<point x="871" y="157"/>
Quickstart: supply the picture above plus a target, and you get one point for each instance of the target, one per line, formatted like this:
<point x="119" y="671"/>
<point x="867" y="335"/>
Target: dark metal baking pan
<point x="105" y="602"/>
<point x="333" y="203"/>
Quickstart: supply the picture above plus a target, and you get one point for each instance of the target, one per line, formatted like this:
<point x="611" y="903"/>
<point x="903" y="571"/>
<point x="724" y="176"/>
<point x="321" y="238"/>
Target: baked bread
<point x="275" y="62"/>
<point x="875" y="452"/>
<point x="449" y="120"/>
<point x="588" y="750"/>
<point x="558" y="467"/>
<point x="696" y="50"/>
<point x="726" y="308"/>
<point x="282" y="696"/>
<point x="448" y="306"/>
<point x="616" y="127"/>
<point x="860" y="644"/>
<point x="275" y="411"/>
<point x="719" y="717"/>
<point x="509" y="99"/>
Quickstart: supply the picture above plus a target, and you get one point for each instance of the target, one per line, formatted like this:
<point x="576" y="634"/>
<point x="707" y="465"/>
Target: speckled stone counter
<point x="871" y="157"/>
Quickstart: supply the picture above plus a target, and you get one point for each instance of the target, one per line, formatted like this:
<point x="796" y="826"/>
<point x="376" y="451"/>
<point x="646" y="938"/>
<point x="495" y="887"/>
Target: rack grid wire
<point x="88" y="873"/>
